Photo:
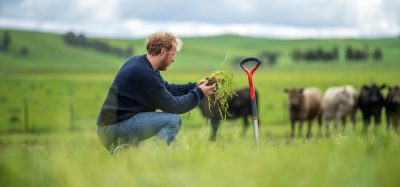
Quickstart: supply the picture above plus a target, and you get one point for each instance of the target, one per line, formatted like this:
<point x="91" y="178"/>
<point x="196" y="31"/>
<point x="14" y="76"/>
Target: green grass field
<point x="50" y="100"/>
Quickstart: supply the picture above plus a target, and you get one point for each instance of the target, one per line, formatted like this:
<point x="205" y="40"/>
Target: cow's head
<point x="373" y="93"/>
<point x="394" y="95"/>
<point x="296" y="98"/>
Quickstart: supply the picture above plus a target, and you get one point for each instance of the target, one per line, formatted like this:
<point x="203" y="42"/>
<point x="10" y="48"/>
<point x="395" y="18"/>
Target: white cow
<point x="338" y="103"/>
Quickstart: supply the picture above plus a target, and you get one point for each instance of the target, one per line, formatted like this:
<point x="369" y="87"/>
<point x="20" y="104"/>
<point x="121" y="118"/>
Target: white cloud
<point x="132" y="18"/>
<point x="104" y="11"/>
<point x="137" y="28"/>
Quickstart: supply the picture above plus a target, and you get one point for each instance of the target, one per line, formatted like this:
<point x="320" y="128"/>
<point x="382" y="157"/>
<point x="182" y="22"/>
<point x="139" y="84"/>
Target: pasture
<point x="48" y="115"/>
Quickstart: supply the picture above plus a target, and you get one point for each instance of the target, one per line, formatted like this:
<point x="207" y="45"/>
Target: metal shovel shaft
<point x="252" y="93"/>
<point x="255" y="120"/>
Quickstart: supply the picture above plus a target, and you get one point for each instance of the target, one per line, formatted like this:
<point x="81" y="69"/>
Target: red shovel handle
<point x="250" y="73"/>
<point x="249" y="59"/>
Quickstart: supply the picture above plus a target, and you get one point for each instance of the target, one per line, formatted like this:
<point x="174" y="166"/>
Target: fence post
<point x="71" y="109"/>
<point x="26" y="114"/>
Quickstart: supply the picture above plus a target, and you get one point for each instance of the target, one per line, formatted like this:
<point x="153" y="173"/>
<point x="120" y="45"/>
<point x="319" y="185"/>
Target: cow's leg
<point x="378" y="120"/>
<point x="396" y="122"/>
<point x="336" y="123"/>
<point x="327" y="127"/>
<point x="292" y="122"/>
<point x="353" y="119"/>
<point x="245" y="125"/>
<point x="300" y="133"/>
<point x="388" y="116"/>
<point x="320" y="125"/>
<point x="366" y="121"/>
<point x="343" y="123"/>
<point x="214" y="129"/>
<point x="309" y="128"/>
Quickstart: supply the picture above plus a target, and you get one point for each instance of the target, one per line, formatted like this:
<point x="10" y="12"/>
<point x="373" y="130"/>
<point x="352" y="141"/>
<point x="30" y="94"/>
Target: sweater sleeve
<point x="179" y="89"/>
<point x="162" y="99"/>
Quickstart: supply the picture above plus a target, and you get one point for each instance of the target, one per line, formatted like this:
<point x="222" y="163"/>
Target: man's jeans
<point x="140" y="127"/>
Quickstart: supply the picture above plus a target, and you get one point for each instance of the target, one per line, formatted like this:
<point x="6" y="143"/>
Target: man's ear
<point x="164" y="51"/>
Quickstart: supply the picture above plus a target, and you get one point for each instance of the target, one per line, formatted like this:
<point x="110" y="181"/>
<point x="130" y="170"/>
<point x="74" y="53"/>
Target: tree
<point x="6" y="40"/>
<point x="377" y="55"/>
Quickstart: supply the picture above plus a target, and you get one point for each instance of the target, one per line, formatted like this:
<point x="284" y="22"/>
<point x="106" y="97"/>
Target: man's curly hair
<point x="156" y="41"/>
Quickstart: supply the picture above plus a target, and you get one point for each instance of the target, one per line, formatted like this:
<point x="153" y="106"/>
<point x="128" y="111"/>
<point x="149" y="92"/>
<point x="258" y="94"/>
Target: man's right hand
<point x="207" y="90"/>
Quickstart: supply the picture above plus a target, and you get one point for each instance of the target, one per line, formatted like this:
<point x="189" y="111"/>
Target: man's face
<point x="168" y="58"/>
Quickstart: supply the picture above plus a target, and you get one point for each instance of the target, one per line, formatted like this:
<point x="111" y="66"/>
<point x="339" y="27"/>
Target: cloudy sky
<point x="260" y="18"/>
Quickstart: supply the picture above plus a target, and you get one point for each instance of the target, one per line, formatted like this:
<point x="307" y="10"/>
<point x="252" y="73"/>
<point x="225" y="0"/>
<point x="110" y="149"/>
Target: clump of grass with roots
<point x="224" y="89"/>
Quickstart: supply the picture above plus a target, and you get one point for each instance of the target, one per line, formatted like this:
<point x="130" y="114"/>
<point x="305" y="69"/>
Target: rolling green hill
<point x="48" y="52"/>
<point x="55" y="70"/>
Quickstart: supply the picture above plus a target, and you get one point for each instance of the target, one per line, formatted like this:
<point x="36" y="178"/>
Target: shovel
<point x="252" y="92"/>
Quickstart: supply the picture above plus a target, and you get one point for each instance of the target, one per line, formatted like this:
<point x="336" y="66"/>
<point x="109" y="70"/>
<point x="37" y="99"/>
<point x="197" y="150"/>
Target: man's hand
<point x="200" y="82"/>
<point x="207" y="90"/>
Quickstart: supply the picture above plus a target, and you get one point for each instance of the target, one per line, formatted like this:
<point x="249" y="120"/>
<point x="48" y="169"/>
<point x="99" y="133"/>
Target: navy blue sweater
<point x="138" y="88"/>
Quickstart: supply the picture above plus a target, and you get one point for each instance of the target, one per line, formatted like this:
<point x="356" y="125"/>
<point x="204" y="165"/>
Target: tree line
<point x="80" y="40"/>
<point x="351" y="54"/>
<point x="319" y="54"/>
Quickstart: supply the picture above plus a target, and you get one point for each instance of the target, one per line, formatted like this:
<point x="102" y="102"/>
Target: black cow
<point x="371" y="102"/>
<point x="239" y="107"/>
<point x="393" y="107"/>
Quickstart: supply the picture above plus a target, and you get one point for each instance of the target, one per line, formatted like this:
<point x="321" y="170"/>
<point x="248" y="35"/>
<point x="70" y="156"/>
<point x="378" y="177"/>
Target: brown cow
<point x="392" y="105"/>
<point x="304" y="104"/>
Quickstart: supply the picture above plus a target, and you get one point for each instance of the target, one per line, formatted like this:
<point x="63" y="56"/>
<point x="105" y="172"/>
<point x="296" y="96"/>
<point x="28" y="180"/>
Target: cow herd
<point x="335" y="105"/>
<point x="339" y="103"/>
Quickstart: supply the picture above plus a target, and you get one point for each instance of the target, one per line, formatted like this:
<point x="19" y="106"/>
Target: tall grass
<point x="77" y="159"/>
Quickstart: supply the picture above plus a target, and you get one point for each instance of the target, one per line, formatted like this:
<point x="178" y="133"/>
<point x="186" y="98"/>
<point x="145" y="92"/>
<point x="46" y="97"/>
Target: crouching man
<point x="128" y="114"/>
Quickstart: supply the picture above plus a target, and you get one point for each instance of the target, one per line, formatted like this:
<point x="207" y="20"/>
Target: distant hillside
<point x="48" y="52"/>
